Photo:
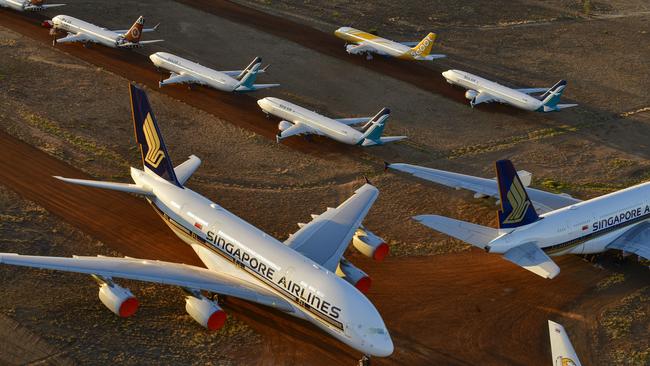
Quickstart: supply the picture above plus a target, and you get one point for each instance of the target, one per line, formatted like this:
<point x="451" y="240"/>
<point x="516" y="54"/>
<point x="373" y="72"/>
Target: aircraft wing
<point x="353" y="121"/>
<point x="532" y="90"/>
<point x="477" y="235"/>
<point x="139" y="43"/>
<point x="144" y="30"/>
<point x="236" y="73"/>
<point x="636" y="240"/>
<point x="531" y="257"/>
<point x="561" y="348"/>
<point x="327" y="236"/>
<point x="298" y="128"/>
<point x="175" y="78"/>
<point x="483" y="97"/>
<point x="71" y="38"/>
<point x="42" y="7"/>
<point x="543" y="201"/>
<point x="167" y="273"/>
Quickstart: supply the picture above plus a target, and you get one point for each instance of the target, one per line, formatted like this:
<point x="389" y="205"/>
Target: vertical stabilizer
<point x="551" y="97"/>
<point x="135" y="32"/>
<point x="152" y="147"/>
<point x="424" y="47"/>
<point x="516" y="207"/>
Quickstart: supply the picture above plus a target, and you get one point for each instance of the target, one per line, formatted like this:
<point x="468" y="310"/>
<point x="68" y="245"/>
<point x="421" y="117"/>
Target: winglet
<point x="561" y="349"/>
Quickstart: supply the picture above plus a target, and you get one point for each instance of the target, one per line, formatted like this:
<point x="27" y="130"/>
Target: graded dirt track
<point x="435" y="316"/>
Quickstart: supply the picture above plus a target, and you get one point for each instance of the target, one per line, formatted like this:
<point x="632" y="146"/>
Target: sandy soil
<point x="76" y="110"/>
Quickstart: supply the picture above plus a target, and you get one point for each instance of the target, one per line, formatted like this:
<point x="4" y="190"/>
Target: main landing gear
<point x="364" y="361"/>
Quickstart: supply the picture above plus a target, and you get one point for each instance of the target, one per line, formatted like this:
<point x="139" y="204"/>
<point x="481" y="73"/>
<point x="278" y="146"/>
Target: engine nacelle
<point x="353" y="275"/>
<point x="283" y="125"/>
<point x="370" y="244"/>
<point x="47" y="24"/>
<point x="118" y="299"/>
<point x="471" y="94"/>
<point x="205" y="311"/>
<point x="353" y="49"/>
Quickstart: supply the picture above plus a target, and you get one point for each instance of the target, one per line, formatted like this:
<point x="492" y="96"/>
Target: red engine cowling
<point x="283" y="125"/>
<point x="118" y="299"/>
<point x="353" y="275"/>
<point x="47" y="24"/>
<point x="205" y="312"/>
<point x="370" y="244"/>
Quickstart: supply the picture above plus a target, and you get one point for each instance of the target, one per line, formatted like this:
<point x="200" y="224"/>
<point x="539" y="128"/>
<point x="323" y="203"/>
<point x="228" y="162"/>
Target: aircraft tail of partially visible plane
<point x="374" y="128"/>
<point x="135" y="32"/>
<point x="249" y="75"/>
<point x="561" y="348"/>
<point x="551" y="98"/>
<point x="516" y="207"/>
<point x="423" y="48"/>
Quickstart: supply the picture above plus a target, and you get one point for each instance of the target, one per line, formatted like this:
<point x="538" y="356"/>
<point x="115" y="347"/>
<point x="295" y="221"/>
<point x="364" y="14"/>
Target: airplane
<point x="306" y="276"/>
<point x="27" y="5"/>
<point x="297" y="120"/>
<point x="363" y="42"/>
<point x="480" y="90"/>
<point x="188" y="72"/>
<point x="561" y="348"/>
<point x="84" y="32"/>
<point x="534" y="224"/>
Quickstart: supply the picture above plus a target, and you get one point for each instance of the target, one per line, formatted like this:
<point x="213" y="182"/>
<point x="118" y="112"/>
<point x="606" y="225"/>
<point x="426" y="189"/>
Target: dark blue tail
<point x="516" y="208"/>
<point x="152" y="147"/>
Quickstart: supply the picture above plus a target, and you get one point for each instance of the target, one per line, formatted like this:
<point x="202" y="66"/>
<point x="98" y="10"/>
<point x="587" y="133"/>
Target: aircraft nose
<point x="263" y="103"/>
<point x="384" y="346"/>
<point x="446" y="74"/>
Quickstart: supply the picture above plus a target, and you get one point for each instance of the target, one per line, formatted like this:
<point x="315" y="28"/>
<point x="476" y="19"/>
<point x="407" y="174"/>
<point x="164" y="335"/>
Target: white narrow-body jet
<point x="480" y="90"/>
<point x="534" y="224"/>
<point x="305" y="276"/>
<point x="561" y="348"/>
<point x="184" y="71"/>
<point x="27" y="5"/>
<point x="297" y="120"/>
<point x="83" y="32"/>
<point x="367" y="43"/>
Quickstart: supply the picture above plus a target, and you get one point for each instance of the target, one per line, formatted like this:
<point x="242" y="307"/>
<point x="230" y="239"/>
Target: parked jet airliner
<point x="306" y="276"/>
<point x="187" y="72"/>
<point x="84" y="32"/>
<point x="367" y="43"/>
<point x="27" y="5"/>
<point x="297" y="120"/>
<point x="565" y="225"/>
<point x="561" y="348"/>
<point x="481" y="90"/>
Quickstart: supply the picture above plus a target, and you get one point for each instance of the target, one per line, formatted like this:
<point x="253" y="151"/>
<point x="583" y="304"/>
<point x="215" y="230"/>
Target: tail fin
<point x="152" y="147"/>
<point x="134" y="33"/>
<point x="516" y="208"/>
<point x="256" y="61"/>
<point x="561" y="349"/>
<point x="551" y="97"/>
<point x="373" y="129"/>
<point x="250" y="75"/>
<point x="424" y="47"/>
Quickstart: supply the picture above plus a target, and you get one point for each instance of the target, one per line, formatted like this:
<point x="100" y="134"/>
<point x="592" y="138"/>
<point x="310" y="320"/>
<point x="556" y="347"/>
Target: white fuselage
<point x="97" y="34"/>
<point x="320" y="124"/>
<point x="502" y="93"/>
<point x="14" y="4"/>
<point x="226" y="243"/>
<point x="380" y="45"/>
<point x="202" y="74"/>
<point x="583" y="228"/>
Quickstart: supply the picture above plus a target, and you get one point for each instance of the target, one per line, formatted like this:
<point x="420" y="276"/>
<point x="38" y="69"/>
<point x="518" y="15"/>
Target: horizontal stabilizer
<point x="187" y="168"/>
<point x="530" y="257"/>
<point x="387" y="139"/>
<point x="122" y="187"/>
<point x="477" y="235"/>
<point x="243" y="88"/>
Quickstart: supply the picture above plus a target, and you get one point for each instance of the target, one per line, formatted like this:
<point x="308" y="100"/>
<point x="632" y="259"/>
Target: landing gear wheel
<point x="368" y="56"/>
<point x="364" y="361"/>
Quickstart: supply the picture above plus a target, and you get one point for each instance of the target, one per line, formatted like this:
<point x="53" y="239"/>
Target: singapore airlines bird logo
<point x="154" y="154"/>
<point x="517" y="199"/>
<point x="566" y="362"/>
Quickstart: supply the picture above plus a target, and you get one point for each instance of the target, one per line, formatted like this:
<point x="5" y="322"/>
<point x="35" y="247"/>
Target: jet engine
<point x="352" y="49"/>
<point x="471" y="94"/>
<point x="47" y="24"/>
<point x="205" y="311"/>
<point x="370" y="244"/>
<point x="118" y="299"/>
<point x="353" y="275"/>
<point x="283" y="125"/>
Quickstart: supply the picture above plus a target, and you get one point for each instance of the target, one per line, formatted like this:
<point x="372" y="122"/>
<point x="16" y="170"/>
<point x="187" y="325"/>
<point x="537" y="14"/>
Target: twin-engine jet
<point x="84" y="32"/>
<point x="561" y="348"/>
<point x="367" y="43"/>
<point x="297" y="120"/>
<point x="305" y="276"/>
<point x="187" y="72"/>
<point x="535" y="224"/>
<point x="27" y="5"/>
<point x="480" y="90"/>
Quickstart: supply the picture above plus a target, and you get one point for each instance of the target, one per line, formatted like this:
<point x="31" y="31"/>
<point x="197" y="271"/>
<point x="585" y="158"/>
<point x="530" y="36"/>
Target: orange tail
<point x="37" y="2"/>
<point x="133" y="35"/>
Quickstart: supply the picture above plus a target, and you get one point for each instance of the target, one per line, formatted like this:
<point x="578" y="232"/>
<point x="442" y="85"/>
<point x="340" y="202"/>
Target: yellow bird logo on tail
<point x="154" y="153"/>
<point x="517" y="199"/>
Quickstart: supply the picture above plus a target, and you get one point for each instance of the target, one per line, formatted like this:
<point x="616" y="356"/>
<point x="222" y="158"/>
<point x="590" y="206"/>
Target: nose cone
<point x="263" y="103"/>
<point x="382" y="347"/>
<point x="447" y="74"/>
<point x="154" y="58"/>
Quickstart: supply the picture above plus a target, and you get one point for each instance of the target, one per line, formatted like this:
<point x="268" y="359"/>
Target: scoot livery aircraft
<point x="27" y="5"/>
<point x="187" y="72"/>
<point x="306" y="276"/>
<point x="84" y="32"/>
<point x="369" y="43"/>
<point x="297" y="120"/>
<point x="565" y="225"/>
<point x="561" y="347"/>
<point x="481" y="90"/>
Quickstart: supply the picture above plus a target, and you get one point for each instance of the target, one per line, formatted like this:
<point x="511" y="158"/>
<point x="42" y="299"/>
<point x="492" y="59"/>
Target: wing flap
<point x="531" y="257"/>
<point x="167" y="273"/>
<point x="178" y="79"/>
<point x="532" y="90"/>
<point x="296" y="129"/>
<point x="327" y="236"/>
<point x="477" y="235"/>
<point x="71" y="38"/>
<point x="353" y="121"/>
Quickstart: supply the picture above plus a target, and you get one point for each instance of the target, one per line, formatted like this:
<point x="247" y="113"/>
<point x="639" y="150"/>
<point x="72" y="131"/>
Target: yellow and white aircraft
<point x="363" y="42"/>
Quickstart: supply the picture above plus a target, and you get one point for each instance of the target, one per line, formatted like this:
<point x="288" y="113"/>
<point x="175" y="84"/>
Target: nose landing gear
<point x="364" y="361"/>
